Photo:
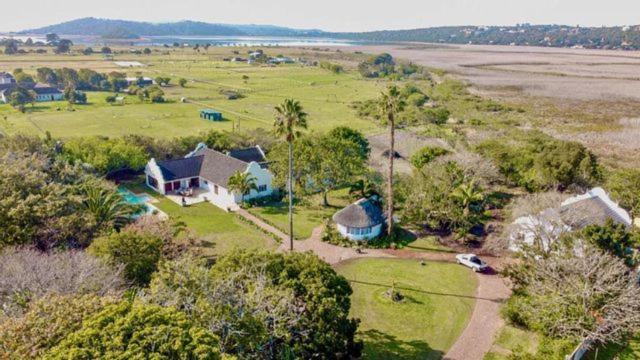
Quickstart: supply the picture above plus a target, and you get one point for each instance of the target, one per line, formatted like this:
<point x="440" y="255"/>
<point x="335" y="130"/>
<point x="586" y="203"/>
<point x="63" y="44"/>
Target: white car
<point x="472" y="261"/>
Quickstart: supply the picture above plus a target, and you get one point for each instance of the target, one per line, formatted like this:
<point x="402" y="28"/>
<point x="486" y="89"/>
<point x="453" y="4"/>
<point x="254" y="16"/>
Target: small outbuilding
<point x="362" y="220"/>
<point x="209" y="114"/>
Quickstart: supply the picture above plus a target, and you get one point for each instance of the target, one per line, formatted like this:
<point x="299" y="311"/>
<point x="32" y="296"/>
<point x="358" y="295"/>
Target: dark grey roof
<point x="591" y="211"/>
<point x="5" y="75"/>
<point x="248" y="155"/>
<point x="181" y="168"/>
<point x="208" y="164"/>
<point x="7" y="86"/>
<point x="218" y="167"/>
<point x="42" y="89"/>
<point x="363" y="213"/>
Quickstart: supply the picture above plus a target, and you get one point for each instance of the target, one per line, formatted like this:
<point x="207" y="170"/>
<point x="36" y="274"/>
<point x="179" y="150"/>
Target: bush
<point x="138" y="253"/>
<point x="426" y="155"/>
<point x="105" y="155"/>
<point x="624" y="186"/>
<point x="263" y="304"/>
<point x="28" y="275"/>
<point x="538" y="162"/>
<point x="138" y="331"/>
<point x="437" y="115"/>
<point x="47" y="322"/>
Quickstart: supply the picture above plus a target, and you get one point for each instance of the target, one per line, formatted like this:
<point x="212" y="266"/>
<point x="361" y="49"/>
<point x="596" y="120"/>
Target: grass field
<point x="306" y="216"/>
<point x="221" y="231"/>
<point x="512" y="339"/>
<point x="437" y="306"/>
<point x="325" y="96"/>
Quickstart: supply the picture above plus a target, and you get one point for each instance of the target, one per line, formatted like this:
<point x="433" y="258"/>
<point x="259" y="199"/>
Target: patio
<point x="199" y="195"/>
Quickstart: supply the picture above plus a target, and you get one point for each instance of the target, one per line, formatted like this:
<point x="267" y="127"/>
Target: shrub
<point x="437" y="115"/>
<point x="426" y="155"/>
<point x="47" y="322"/>
<point x="28" y="275"/>
<point x="105" y="155"/>
<point x="126" y="330"/>
<point x="624" y="186"/>
<point x="138" y="253"/>
<point x="538" y="162"/>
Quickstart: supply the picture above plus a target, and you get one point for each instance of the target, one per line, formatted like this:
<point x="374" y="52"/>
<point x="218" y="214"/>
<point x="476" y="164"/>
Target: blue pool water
<point x="134" y="199"/>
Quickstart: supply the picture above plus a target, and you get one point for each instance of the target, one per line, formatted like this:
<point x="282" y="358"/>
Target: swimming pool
<point x="133" y="199"/>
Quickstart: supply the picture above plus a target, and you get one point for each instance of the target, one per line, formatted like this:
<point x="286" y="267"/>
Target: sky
<point x="329" y="15"/>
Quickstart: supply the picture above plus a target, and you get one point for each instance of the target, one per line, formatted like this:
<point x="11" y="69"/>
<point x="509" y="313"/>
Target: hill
<point x="106" y="27"/>
<point x="619" y="37"/>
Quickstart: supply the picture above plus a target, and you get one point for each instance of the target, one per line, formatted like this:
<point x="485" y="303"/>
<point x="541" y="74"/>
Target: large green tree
<point x="264" y="305"/>
<point x="290" y="117"/>
<point x="19" y="97"/>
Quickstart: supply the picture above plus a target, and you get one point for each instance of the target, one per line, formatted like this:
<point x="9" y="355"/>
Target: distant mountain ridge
<point x="617" y="37"/>
<point x="102" y="27"/>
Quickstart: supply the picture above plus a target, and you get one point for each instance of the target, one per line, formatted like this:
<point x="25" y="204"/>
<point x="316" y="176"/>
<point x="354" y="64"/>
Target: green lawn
<point x="512" y="339"/>
<point x="306" y="216"/>
<point x="220" y="230"/>
<point x="437" y="306"/>
<point x="427" y="243"/>
<point x="324" y="95"/>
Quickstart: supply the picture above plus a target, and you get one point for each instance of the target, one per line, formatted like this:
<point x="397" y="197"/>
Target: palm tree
<point x="391" y="103"/>
<point x="289" y="118"/>
<point x="242" y="182"/>
<point x="467" y="194"/>
<point x="108" y="207"/>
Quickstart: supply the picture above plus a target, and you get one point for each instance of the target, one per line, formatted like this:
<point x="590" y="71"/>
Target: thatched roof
<point x="361" y="214"/>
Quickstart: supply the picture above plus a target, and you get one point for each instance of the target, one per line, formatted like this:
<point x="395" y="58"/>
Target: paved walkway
<point x="261" y="224"/>
<point x="476" y="339"/>
<point x="479" y="335"/>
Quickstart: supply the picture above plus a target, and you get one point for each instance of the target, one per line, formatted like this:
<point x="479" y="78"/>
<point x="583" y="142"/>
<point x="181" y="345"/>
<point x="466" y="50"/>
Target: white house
<point x="208" y="171"/>
<point x="47" y="93"/>
<point x="6" y="78"/>
<point x="591" y="208"/>
<point x="360" y="221"/>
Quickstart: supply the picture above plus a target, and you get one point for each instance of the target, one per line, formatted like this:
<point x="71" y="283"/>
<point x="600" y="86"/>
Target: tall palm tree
<point x="242" y="182"/>
<point x="289" y="118"/>
<point x="391" y="103"/>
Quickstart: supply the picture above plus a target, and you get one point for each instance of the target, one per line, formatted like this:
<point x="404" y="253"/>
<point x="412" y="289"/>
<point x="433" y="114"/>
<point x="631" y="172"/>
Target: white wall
<point x="263" y="177"/>
<point x="375" y="232"/>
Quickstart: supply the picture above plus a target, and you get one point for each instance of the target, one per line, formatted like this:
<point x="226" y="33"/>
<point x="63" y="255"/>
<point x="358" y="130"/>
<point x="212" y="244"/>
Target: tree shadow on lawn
<point x="379" y="345"/>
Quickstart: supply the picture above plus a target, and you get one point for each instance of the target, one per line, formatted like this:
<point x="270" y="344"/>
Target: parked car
<point x="472" y="261"/>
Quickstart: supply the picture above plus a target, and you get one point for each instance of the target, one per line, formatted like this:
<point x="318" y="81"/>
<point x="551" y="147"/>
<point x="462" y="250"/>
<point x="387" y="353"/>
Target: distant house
<point x="281" y="60"/>
<point x="238" y="59"/>
<point x="47" y="93"/>
<point x="207" y="172"/>
<point x="6" y="78"/>
<point x="362" y="220"/>
<point x="140" y="81"/>
<point x="209" y="114"/>
<point x="592" y="208"/>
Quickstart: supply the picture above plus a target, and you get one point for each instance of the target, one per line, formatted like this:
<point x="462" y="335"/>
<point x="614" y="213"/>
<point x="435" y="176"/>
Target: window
<point x="152" y="182"/>
<point x="262" y="188"/>
<point x="215" y="189"/>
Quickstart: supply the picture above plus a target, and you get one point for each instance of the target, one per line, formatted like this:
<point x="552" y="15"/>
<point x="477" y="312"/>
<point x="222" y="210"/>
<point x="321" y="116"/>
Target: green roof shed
<point x="210" y="114"/>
